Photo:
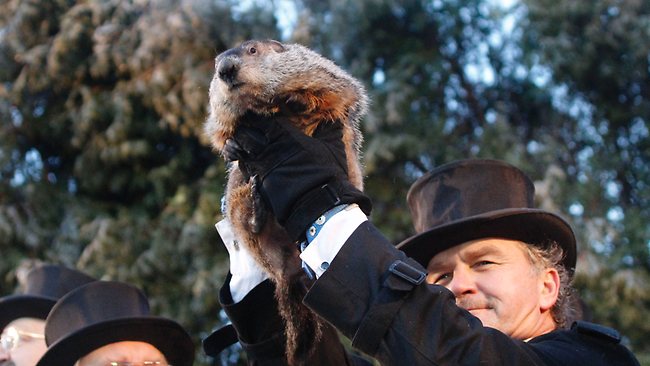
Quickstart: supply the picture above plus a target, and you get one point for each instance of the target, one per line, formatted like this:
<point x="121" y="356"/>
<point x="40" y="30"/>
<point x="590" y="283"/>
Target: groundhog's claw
<point x="232" y="151"/>
<point x="258" y="219"/>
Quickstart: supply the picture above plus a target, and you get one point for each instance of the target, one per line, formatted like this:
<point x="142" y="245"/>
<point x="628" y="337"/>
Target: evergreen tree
<point x="557" y="88"/>
<point x="597" y="55"/>
<point x="103" y="164"/>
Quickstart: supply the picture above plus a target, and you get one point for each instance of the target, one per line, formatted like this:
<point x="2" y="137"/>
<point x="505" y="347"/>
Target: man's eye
<point x="442" y="278"/>
<point x="482" y="263"/>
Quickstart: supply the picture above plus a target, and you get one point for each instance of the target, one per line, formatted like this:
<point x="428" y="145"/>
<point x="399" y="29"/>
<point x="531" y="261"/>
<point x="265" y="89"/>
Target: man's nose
<point x="462" y="282"/>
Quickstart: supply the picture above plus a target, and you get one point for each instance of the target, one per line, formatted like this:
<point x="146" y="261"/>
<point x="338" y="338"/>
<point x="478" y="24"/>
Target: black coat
<point x="399" y="321"/>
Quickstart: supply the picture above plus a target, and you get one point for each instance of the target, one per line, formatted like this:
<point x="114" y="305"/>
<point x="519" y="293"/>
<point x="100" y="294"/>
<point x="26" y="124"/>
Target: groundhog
<point x="271" y="79"/>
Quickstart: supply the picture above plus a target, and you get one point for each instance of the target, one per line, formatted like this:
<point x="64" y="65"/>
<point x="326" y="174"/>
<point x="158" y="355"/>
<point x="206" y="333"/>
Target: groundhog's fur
<point x="268" y="78"/>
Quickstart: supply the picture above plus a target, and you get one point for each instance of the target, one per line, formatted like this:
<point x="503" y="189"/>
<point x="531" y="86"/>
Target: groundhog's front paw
<point x="232" y="151"/>
<point x="258" y="220"/>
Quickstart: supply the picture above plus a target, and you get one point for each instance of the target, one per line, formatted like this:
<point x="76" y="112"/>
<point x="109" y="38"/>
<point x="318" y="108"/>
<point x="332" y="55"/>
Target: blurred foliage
<point x="103" y="165"/>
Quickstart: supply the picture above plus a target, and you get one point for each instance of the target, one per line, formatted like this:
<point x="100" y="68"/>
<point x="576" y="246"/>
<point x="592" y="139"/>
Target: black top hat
<point x="474" y="199"/>
<point x="105" y="312"/>
<point x="44" y="285"/>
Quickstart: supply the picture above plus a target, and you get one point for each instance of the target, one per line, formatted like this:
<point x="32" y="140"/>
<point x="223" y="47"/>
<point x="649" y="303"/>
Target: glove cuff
<point x="319" y="200"/>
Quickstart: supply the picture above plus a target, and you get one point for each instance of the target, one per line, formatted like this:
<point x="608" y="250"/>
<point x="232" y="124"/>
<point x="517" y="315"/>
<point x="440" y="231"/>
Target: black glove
<point x="299" y="177"/>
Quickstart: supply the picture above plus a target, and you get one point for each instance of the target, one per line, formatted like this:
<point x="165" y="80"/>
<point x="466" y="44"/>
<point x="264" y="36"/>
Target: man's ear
<point x="549" y="288"/>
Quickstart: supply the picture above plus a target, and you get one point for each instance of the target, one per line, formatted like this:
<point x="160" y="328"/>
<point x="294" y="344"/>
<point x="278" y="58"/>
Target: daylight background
<point x="103" y="165"/>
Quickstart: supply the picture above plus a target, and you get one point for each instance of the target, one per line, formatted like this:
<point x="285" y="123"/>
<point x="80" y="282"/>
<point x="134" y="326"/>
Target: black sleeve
<point x="260" y="330"/>
<point x="257" y="322"/>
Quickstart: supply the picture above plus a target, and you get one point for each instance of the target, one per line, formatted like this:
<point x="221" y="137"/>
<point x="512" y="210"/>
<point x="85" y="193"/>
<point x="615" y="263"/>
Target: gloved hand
<point x="298" y="176"/>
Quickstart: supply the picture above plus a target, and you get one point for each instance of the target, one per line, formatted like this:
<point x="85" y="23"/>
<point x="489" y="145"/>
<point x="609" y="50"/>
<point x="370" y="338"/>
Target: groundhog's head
<point x="271" y="78"/>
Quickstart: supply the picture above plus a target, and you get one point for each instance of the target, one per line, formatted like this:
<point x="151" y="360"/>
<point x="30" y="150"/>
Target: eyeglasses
<point x="12" y="337"/>
<point x="145" y="363"/>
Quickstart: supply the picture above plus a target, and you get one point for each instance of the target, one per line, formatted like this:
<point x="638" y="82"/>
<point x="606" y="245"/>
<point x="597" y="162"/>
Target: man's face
<point x="122" y="352"/>
<point x="495" y="281"/>
<point x="28" y="342"/>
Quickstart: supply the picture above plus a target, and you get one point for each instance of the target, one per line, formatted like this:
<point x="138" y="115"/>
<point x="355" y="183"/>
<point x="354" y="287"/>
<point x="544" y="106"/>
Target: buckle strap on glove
<point x="316" y="202"/>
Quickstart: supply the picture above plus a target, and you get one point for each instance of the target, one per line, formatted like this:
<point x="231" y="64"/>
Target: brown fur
<point x="269" y="78"/>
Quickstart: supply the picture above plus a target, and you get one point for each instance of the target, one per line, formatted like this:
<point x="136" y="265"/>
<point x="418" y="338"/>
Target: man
<point x="108" y="323"/>
<point x="22" y="316"/>
<point x="485" y="280"/>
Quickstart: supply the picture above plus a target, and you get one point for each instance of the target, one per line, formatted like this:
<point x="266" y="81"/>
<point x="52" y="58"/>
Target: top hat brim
<point x="24" y="306"/>
<point x="532" y="226"/>
<point x="166" y="335"/>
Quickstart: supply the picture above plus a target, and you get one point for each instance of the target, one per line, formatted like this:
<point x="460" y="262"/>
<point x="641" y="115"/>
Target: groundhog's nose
<point x="227" y="70"/>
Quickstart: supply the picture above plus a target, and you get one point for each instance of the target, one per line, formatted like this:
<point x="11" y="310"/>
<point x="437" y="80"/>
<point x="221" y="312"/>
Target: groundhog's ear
<point x="277" y="46"/>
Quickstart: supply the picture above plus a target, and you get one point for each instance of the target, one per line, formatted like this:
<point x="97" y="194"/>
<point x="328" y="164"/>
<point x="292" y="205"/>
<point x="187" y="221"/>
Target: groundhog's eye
<point x="252" y="50"/>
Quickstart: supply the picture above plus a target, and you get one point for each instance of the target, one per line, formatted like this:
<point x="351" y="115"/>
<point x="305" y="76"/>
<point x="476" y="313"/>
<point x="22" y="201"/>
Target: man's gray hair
<point x="550" y="255"/>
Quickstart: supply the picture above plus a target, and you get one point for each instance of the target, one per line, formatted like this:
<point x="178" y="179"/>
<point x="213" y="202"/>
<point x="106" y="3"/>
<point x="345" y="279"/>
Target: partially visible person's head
<point x="107" y="323"/>
<point x="127" y="352"/>
<point x="479" y="235"/>
<point x="22" y="316"/>
<point x="23" y="342"/>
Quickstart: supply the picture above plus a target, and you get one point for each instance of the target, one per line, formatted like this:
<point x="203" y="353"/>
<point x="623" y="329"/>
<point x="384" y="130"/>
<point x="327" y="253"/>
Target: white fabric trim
<point x="246" y="273"/>
<point x="322" y="250"/>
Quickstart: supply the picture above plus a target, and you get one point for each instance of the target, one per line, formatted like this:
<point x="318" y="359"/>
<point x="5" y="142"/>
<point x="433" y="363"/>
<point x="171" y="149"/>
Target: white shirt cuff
<point x="246" y="273"/>
<point x="329" y="241"/>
